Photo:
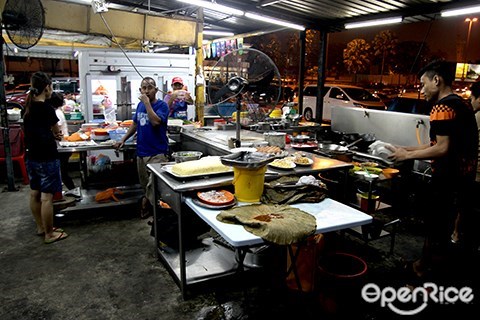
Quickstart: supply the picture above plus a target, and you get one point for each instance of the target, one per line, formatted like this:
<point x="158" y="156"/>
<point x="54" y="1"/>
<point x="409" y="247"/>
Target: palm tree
<point x="356" y="56"/>
<point x="384" y="43"/>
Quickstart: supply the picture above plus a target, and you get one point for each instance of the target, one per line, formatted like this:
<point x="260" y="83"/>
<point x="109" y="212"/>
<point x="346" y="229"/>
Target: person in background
<point x="150" y="123"/>
<point x="69" y="101"/>
<point x="56" y="101"/>
<point x="453" y="149"/>
<point x="43" y="165"/>
<point x="178" y="100"/>
<point x="462" y="232"/>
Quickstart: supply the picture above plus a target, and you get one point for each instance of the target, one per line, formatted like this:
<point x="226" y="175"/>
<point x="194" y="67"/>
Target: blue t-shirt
<point x="151" y="140"/>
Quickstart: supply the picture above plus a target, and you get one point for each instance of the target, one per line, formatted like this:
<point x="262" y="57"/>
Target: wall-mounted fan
<point x="23" y="21"/>
<point x="247" y="78"/>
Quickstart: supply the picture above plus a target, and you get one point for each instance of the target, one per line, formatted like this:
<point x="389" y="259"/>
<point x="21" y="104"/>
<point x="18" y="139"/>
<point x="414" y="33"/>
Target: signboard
<point x="467" y="72"/>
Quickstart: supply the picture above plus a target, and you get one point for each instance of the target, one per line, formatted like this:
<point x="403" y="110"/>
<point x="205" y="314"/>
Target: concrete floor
<point x="107" y="269"/>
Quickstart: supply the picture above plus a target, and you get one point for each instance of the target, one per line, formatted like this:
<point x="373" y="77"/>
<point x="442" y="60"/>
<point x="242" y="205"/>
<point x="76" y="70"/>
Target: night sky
<point x="444" y="35"/>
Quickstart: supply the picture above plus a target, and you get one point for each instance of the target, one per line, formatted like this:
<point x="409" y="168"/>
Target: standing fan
<point x="248" y="77"/>
<point x="23" y="21"/>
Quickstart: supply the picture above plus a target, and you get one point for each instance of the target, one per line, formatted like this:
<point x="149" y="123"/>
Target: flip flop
<point x="61" y="236"/>
<point x="55" y="229"/>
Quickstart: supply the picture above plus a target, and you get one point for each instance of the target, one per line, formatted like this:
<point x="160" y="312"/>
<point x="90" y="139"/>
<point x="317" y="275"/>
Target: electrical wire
<point x="118" y="44"/>
<point x="125" y="54"/>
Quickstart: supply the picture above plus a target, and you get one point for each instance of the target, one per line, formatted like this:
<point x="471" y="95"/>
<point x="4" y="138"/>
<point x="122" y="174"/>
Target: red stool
<point x="17" y="146"/>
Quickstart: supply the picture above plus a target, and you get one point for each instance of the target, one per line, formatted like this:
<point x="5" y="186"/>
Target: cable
<point x="118" y="44"/>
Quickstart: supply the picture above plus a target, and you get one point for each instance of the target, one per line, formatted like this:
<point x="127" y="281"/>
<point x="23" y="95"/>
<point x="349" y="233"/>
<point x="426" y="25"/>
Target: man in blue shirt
<point x="150" y="124"/>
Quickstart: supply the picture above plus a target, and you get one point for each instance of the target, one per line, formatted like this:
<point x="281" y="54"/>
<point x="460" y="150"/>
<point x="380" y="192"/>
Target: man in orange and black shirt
<point x="453" y="151"/>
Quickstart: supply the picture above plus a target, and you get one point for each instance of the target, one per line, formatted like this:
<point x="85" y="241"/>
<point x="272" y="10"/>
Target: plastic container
<point x="249" y="183"/>
<point x="182" y="156"/>
<point x="118" y="134"/>
<point x="340" y="279"/>
<point x="275" y="139"/>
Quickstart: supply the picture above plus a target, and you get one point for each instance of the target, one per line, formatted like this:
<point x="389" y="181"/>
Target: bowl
<point x="390" y="172"/>
<point x="182" y="156"/>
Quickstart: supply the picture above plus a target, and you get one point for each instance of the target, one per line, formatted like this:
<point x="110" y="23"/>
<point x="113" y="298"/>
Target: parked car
<point x="410" y="103"/>
<point x="18" y="95"/>
<point x="338" y="95"/>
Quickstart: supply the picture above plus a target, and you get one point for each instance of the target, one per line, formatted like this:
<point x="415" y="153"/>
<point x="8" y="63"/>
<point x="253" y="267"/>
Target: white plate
<point x="292" y="165"/>
<point x="310" y="161"/>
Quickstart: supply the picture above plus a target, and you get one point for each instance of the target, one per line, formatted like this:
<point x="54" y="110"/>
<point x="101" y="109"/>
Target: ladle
<point x="353" y="143"/>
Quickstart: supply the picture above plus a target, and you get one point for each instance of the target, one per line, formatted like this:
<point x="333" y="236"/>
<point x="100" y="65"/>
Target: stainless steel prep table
<point x="131" y="193"/>
<point x="175" y="192"/>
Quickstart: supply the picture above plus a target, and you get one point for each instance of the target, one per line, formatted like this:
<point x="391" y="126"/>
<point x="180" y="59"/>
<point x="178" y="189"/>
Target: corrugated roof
<point x="325" y="15"/>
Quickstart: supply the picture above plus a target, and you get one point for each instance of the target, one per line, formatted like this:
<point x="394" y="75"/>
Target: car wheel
<point x="308" y="114"/>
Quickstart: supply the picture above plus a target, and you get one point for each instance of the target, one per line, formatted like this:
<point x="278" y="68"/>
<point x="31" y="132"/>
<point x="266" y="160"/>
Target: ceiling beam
<point x="81" y="18"/>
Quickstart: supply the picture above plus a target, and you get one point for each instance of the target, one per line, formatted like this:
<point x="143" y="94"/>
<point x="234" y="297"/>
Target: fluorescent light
<point x="218" y="33"/>
<point x="75" y="53"/>
<point x="269" y="3"/>
<point x="371" y="23"/>
<point x="160" y="49"/>
<point x="214" y="7"/>
<point x="274" y="21"/>
<point x="459" y="12"/>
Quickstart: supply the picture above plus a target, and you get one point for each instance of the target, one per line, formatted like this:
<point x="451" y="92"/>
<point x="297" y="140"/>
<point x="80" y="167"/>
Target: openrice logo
<point x="429" y="292"/>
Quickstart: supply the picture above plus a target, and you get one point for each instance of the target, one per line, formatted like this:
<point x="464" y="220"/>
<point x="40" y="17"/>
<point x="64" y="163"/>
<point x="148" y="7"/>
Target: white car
<point x="338" y="95"/>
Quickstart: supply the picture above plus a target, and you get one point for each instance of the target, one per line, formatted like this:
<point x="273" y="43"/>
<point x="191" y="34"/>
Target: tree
<point x="356" y="56"/>
<point x="384" y="45"/>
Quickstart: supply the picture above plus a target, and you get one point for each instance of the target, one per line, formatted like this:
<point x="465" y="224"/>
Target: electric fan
<point x="23" y="21"/>
<point x="247" y="78"/>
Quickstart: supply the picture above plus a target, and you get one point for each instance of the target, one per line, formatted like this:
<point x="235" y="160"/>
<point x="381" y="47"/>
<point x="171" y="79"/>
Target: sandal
<point x="55" y="229"/>
<point x="61" y="236"/>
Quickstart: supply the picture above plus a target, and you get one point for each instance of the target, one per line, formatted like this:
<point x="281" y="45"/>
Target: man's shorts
<point x="45" y="176"/>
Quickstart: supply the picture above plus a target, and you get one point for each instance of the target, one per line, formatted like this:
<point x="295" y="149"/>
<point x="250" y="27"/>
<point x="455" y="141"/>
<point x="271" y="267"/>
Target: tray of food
<point x="273" y="151"/>
<point x="206" y="166"/>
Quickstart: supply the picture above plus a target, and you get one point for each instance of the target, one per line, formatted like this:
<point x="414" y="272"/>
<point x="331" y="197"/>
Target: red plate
<point x="303" y="146"/>
<point x="216" y="197"/>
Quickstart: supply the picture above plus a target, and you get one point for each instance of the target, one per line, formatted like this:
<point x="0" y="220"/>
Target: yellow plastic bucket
<point x="248" y="183"/>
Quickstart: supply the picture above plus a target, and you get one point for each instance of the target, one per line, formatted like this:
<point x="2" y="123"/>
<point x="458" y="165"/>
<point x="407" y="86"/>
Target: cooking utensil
<point x="354" y="143"/>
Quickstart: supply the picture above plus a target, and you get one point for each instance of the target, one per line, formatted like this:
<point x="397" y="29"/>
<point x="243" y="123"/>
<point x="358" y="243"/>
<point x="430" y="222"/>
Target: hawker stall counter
<point x="175" y="191"/>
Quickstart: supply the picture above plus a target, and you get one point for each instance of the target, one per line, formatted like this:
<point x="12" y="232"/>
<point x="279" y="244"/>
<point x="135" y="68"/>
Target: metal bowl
<point x="182" y="156"/>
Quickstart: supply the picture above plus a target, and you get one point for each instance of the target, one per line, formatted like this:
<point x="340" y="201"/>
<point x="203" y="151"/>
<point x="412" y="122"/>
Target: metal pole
<point x="470" y="22"/>
<point x="6" y="130"/>
<point x="301" y="74"/>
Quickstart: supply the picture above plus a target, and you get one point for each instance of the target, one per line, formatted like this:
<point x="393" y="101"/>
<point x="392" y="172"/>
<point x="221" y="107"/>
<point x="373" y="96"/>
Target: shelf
<point x="207" y="261"/>
<point x="131" y="195"/>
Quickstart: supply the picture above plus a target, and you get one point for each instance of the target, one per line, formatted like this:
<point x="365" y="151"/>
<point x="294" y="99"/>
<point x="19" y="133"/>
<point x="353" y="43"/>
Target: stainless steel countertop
<point x="225" y="179"/>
